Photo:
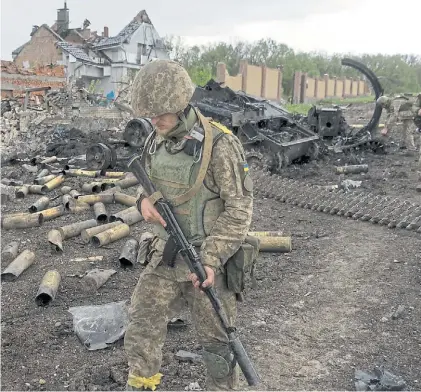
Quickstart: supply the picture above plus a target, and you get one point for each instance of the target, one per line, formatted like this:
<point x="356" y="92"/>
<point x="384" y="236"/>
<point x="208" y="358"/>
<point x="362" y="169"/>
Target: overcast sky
<point x="379" y="26"/>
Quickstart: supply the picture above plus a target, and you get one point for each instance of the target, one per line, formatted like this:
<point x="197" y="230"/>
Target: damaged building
<point x="102" y="62"/>
<point x="112" y="61"/>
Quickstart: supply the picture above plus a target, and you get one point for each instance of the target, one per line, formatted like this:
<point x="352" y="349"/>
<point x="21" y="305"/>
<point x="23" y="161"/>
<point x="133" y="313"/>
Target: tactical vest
<point x="173" y="174"/>
<point x="404" y="111"/>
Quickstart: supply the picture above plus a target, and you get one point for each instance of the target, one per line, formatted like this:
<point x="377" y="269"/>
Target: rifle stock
<point x="195" y="265"/>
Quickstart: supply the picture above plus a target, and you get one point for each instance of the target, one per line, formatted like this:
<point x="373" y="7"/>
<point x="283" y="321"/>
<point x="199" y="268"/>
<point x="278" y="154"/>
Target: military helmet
<point x="160" y="87"/>
<point x="384" y="101"/>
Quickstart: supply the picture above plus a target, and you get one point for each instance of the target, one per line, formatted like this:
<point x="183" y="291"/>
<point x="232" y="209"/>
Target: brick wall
<point x="41" y="50"/>
<point x="259" y="81"/>
<point x="307" y="89"/>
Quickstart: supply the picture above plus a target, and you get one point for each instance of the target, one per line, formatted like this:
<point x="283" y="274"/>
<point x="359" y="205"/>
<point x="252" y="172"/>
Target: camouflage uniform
<point x="215" y="220"/>
<point x="416" y="108"/>
<point x="405" y="121"/>
<point x="386" y="103"/>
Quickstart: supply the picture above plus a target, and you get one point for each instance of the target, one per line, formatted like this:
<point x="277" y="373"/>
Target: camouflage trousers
<point x="160" y="294"/>
<point x="408" y="140"/>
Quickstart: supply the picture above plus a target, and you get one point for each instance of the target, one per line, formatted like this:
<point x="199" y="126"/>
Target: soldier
<point x="405" y="120"/>
<point x="401" y="117"/>
<point x="200" y="167"/>
<point x="386" y="103"/>
<point x="416" y="111"/>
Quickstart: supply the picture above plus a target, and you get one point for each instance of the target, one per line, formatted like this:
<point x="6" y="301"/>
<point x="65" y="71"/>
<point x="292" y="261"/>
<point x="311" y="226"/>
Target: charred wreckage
<point x="273" y="138"/>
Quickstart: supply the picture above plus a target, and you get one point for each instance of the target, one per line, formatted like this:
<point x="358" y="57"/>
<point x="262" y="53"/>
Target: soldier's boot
<point x="137" y="383"/>
<point x="222" y="370"/>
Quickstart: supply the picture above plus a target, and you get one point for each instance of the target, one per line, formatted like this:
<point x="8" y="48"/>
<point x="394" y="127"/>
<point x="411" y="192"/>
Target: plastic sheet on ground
<point x="98" y="326"/>
<point x="379" y="380"/>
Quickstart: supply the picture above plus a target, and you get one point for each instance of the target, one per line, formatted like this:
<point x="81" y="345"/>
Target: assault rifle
<point x="191" y="257"/>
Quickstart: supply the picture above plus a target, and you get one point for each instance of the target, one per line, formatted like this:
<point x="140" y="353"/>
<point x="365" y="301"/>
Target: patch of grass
<point x="301" y="108"/>
<point x="344" y="101"/>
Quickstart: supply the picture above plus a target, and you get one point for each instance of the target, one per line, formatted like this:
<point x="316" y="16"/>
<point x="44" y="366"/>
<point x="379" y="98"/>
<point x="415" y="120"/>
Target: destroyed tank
<point x="272" y="137"/>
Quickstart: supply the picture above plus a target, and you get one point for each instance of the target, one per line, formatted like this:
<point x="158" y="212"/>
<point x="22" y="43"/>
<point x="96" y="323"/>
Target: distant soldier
<point x="386" y="104"/>
<point x="405" y="116"/>
<point x="416" y="111"/>
<point x="401" y="116"/>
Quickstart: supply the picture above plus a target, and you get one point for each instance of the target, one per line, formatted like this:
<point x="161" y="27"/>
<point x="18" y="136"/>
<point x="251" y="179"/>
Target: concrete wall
<point x="307" y="89"/>
<point x="40" y="50"/>
<point x="259" y="81"/>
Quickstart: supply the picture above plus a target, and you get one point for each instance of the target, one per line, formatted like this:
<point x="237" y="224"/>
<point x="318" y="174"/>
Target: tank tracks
<point x="358" y="205"/>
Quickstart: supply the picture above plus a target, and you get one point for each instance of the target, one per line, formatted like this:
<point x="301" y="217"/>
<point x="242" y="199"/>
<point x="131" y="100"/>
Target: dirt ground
<point x="318" y="313"/>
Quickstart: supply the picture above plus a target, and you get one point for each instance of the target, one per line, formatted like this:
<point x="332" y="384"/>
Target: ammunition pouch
<point x="241" y="264"/>
<point x="219" y="361"/>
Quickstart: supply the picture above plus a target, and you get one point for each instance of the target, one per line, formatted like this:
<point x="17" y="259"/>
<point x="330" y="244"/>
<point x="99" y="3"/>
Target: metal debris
<point x="379" y="380"/>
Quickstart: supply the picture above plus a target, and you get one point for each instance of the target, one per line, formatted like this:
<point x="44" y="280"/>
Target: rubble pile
<point x="61" y="122"/>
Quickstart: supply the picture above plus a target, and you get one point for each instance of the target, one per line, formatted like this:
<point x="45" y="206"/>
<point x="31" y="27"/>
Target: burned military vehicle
<point x="272" y="137"/>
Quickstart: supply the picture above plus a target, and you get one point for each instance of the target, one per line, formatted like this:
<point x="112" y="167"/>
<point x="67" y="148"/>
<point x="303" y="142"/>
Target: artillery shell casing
<point x="80" y="172"/>
<point x="43" y="173"/>
<point x="124" y="199"/>
<point x="128" y="255"/>
<point x="129" y="215"/>
<point x="18" y="265"/>
<point x="352" y="169"/>
<point x="49" y="160"/>
<point x="108" y="236"/>
<point x="104" y="173"/>
<point x="10" y="251"/>
<point x="98" y="198"/>
<point x="111" y="191"/>
<point x="23" y="221"/>
<point x="100" y="212"/>
<point x="53" y="212"/>
<point x="275" y="244"/>
<point x="21" y="192"/>
<point x="75" y="229"/>
<point x="88" y="233"/>
<point x="127" y="182"/>
<point x="36" y="189"/>
<point x="48" y="288"/>
<point x="55" y="239"/>
<point x="76" y="206"/>
<point x="54" y="183"/>
<point x="265" y="233"/>
<point x="65" y="189"/>
<point x="95" y="278"/>
<point x="41" y="204"/>
<point x="74" y="193"/>
<point x="8" y="181"/>
<point x="109" y="180"/>
<point x="92" y="187"/>
<point x="65" y="200"/>
<point x="44" y="180"/>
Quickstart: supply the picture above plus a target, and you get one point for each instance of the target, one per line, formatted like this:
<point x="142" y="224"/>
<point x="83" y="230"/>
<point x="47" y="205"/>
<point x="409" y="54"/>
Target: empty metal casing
<point x="41" y="204"/>
<point x="48" y="288"/>
<point x="87" y="234"/>
<point x="18" y="265"/>
<point x="100" y="212"/>
<point x="108" y="236"/>
<point x="75" y="229"/>
<point x="128" y="255"/>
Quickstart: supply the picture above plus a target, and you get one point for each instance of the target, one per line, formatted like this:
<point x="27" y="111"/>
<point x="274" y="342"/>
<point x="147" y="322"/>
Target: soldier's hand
<point x="210" y="280"/>
<point x="150" y="213"/>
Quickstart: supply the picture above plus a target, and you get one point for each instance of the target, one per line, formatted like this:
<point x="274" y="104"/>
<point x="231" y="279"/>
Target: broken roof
<point x="49" y="29"/>
<point x="76" y="52"/>
<point x="127" y="32"/>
